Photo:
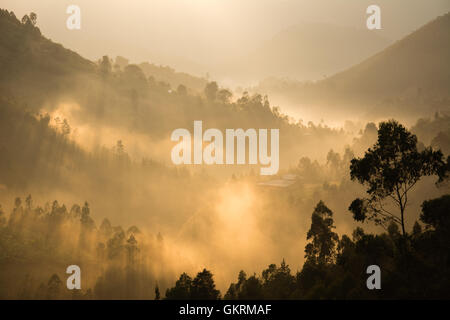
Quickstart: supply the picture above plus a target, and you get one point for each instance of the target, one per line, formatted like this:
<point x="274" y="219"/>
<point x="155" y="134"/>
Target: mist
<point x="86" y="116"/>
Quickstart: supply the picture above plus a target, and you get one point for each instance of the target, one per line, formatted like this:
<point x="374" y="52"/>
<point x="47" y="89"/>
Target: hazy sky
<point x="204" y="31"/>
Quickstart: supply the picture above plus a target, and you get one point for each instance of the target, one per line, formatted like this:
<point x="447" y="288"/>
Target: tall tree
<point x="105" y="67"/>
<point x="203" y="287"/>
<point x="182" y="289"/>
<point x="321" y="249"/>
<point x="389" y="170"/>
<point x="157" y="294"/>
<point x="54" y="287"/>
<point x="211" y="90"/>
<point x="33" y="18"/>
<point x="2" y="217"/>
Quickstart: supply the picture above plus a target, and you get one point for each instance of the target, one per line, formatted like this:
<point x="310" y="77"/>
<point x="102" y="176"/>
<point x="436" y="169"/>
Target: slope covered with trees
<point x="35" y="69"/>
<point x="132" y="263"/>
<point x="221" y="218"/>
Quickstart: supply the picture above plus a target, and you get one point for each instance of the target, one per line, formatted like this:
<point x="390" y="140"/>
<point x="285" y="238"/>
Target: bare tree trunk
<point x="402" y="210"/>
<point x="403" y="220"/>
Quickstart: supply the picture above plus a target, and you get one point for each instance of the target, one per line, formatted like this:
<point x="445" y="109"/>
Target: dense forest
<point x="129" y="262"/>
<point x="86" y="179"/>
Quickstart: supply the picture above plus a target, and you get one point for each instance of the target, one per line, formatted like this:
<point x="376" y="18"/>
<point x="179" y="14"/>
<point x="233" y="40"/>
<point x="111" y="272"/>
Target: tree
<point x="132" y="250"/>
<point x="251" y="289"/>
<point x="157" y="294"/>
<point x="54" y="287"/>
<point x="120" y="148"/>
<point x="334" y="162"/>
<point x="2" y="217"/>
<point x="322" y="247"/>
<point x="29" y="202"/>
<point x="26" y="19"/>
<point x="105" y="66"/>
<point x="211" y="90"/>
<point x="33" y="18"/>
<point x="65" y="128"/>
<point x="203" y="287"/>
<point x="278" y="283"/>
<point x="86" y="220"/>
<point x="224" y="95"/>
<point x="182" y="289"/>
<point x="133" y="230"/>
<point x="436" y="213"/>
<point x="417" y="229"/>
<point x="389" y="170"/>
<point x="232" y="292"/>
<point x="116" y="244"/>
<point x="121" y="62"/>
<point x="106" y="229"/>
<point x="181" y="90"/>
<point x="235" y="289"/>
<point x="333" y="159"/>
<point x="17" y="203"/>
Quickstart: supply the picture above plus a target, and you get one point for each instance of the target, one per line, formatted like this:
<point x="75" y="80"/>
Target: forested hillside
<point x="408" y="79"/>
<point x="86" y="178"/>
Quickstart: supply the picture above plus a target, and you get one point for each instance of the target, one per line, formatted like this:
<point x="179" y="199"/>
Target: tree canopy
<point x="389" y="170"/>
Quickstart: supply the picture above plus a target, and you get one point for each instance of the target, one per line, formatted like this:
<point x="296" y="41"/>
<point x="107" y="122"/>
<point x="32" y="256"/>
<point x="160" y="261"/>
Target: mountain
<point x="33" y="67"/>
<point x="36" y="70"/>
<point x="419" y="63"/>
<point x="308" y="51"/>
<point x="409" y="79"/>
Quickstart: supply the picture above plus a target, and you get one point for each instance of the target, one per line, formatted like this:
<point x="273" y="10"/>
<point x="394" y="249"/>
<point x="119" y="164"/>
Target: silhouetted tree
<point x="390" y="169"/>
<point x="86" y="221"/>
<point x="105" y="67"/>
<point x="106" y="228"/>
<point x="181" y="90"/>
<point x="211" y="90"/>
<point x="157" y="294"/>
<point x="132" y="250"/>
<point x="54" y="287"/>
<point x="251" y="289"/>
<point x="2" y="217"/>
<point x="224" y="95"/>
<point x="29" y="202"/>
<point x="277" y="283"/>
<point x="182" y="289"/>
<point x="33" y="18"/>
<point x="203" y="287"/>
<point x="436" y="213"/>
<point x="321" y="249"/>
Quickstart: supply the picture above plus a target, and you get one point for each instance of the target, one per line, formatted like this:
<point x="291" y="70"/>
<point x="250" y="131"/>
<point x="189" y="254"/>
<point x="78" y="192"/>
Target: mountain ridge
<point x="409" y="78"/>
<point x="308" y="51"/>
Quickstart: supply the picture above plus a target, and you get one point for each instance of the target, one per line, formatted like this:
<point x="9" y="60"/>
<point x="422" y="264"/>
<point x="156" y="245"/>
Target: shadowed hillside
<point x="26" y="57"/>
<point x="308" y="51"/>
<point x="89" y="177"/>
<point x="418" y="63"/>
<point x="413" y="74"/>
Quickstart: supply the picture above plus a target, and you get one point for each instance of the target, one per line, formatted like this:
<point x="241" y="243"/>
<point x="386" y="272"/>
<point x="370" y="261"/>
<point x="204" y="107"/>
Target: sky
<point x="197" y="33"/>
